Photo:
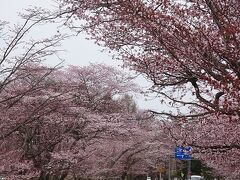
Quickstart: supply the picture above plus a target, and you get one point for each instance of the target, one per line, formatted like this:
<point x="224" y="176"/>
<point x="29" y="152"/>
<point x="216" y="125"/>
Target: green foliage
<point x="197" y="168"/>
<point x="128" y="103"/>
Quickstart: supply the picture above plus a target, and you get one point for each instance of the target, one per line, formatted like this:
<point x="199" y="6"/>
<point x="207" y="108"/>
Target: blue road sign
<point x="182" y="153"/>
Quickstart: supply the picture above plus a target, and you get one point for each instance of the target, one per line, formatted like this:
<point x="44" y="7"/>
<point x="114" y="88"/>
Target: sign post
<point x="189" y="170"/>
<point x="183" y="153"/>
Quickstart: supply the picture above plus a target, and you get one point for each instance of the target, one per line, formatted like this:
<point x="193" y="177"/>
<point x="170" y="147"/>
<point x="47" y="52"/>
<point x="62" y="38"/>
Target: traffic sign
<point x="182" y="153"/>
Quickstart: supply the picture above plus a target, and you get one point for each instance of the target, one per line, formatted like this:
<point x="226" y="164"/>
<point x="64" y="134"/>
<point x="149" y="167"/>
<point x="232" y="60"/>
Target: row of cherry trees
<point x="73" y="121"/>
<point x="190" y="51"/>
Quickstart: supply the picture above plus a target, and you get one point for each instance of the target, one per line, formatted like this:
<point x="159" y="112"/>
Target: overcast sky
<point x="79" y="51"/>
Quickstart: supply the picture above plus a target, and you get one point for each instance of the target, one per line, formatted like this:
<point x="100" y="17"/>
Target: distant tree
<point x="128" y="103"/>
<point x="96" y="86"/>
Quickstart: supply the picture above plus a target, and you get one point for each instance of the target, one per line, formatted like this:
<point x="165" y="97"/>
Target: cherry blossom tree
<point x="212" y="142"/>
<point x="58" y="122"/>
<point x="50" y="116"/>
<point x="98" y="145"/>
<point x="25" y="96"/>
<point x="127" y="146"/>
<point x="174" y="50"/>
<point x="52" y="124"/>
<point x="188" y="49"/>
<point x="97" y="85"/>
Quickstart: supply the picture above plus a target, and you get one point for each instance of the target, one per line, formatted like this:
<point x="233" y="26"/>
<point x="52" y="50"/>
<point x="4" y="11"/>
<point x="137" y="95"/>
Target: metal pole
<point x="189" y="169"/>
<point x="169" y="168"/>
